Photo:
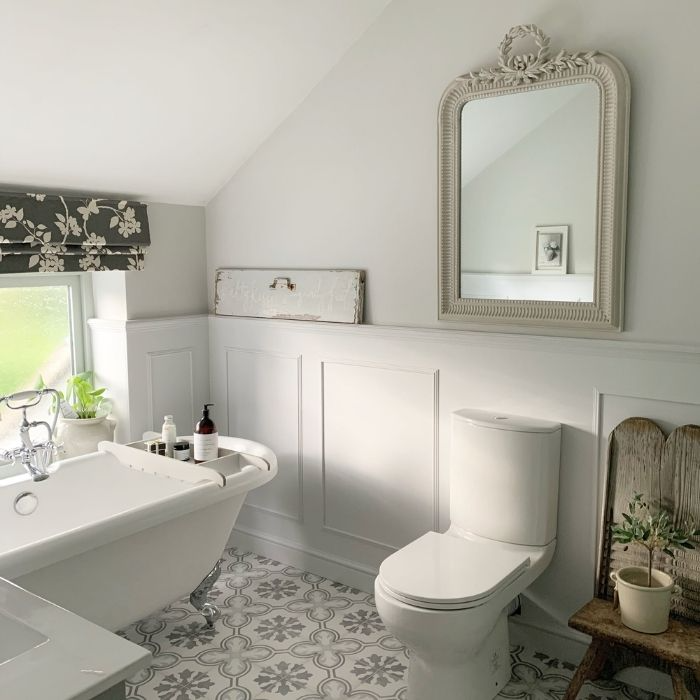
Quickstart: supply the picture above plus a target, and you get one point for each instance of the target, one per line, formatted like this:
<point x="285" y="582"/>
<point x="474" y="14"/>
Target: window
<point x="43" y="335"/>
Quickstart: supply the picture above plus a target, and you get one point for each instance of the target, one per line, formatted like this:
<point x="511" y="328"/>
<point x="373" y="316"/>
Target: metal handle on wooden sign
<point x="284" y="283"/>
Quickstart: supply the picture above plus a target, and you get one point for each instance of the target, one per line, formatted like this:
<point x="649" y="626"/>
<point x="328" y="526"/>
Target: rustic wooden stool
<point x="614" y="647"/>
<point x="667" y="472"/>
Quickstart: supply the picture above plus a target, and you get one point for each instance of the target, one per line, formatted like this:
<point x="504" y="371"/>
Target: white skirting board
<point x="335" y="296"/>
<point x="320" y="563"/>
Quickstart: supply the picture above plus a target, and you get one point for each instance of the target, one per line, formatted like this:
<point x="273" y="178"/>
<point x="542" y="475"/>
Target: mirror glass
<point x="528" y="217"/>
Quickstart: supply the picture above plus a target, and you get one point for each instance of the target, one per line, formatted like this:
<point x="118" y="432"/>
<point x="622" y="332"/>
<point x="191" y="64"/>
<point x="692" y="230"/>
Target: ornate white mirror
<point x="532" y="189"/>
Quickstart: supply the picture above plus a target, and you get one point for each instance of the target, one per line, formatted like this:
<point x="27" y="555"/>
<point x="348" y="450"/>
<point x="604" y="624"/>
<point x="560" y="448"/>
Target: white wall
<point x="160" y="364"/>
<point x="109" y="294"/>
<point x="350" y="181"/>
<point x="173" y="282"/>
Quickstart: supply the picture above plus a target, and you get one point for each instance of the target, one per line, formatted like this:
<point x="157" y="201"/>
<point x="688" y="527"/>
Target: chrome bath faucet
<point x="35" y="458"/>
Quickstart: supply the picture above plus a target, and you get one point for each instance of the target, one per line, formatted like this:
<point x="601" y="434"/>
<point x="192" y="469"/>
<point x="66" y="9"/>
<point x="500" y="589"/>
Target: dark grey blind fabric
<point x="51" y="233"/>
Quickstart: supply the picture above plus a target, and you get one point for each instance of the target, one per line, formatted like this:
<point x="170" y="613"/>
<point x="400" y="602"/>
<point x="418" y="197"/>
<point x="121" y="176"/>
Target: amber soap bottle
<point x="206" y="437"/>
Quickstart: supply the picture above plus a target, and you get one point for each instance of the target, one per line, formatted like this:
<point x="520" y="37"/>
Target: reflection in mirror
<point x="529" y="179"/>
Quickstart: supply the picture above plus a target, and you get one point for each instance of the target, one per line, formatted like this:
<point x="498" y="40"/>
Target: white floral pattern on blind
<point x="52" y="233"/>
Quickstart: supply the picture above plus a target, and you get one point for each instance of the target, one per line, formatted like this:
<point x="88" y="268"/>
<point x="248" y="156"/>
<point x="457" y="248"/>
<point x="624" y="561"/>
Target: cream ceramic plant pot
<point x="643" y="608"/>
<point x="79" y="436"/>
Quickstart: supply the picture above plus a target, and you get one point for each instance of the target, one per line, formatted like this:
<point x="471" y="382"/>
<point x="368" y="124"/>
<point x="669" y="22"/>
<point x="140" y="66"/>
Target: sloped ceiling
<point x="161" y="100"/>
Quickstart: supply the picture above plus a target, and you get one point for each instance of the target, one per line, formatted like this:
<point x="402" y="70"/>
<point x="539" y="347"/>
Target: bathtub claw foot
<point x="211" y="613"/>
<point x="198" y="597"/>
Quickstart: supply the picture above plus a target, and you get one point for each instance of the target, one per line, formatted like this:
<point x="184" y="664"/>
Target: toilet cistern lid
<point x="444" y="569"/>
<point x="505" y="421"/>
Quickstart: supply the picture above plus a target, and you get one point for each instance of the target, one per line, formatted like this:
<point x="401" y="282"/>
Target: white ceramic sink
<point x="16" y="638"/>
<point x="48" y="652"/>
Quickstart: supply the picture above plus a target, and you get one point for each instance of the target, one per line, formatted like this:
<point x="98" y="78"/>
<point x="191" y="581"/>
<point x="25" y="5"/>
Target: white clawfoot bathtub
<point x="120" y="533"/>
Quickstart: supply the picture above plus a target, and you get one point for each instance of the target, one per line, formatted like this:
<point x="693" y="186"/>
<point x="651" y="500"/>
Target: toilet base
<point x="458" y="677"/>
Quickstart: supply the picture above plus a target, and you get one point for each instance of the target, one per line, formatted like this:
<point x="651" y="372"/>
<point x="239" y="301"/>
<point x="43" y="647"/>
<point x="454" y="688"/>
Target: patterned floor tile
<point x="290" y="634"/>
<point x="282" y="675"/>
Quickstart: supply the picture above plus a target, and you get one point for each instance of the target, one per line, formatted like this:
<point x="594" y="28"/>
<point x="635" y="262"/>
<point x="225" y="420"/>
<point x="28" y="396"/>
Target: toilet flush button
<point x="26" y="503"/>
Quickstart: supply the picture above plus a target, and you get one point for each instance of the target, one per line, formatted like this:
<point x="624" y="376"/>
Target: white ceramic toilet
<point x="445" y="596"/>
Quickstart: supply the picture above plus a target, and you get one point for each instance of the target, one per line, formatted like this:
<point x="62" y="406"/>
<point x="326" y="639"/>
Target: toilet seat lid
<point x="443" y="569"/>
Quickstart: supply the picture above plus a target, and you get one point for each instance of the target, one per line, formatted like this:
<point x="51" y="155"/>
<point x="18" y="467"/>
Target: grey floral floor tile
<point x="292" y="635"/>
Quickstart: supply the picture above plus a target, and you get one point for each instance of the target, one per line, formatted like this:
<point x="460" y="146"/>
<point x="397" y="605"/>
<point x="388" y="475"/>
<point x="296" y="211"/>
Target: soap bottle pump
<point x="206" y="437"/>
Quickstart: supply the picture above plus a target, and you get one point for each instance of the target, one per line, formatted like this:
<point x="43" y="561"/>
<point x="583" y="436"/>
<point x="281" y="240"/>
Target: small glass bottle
<point x="169" y="435"/>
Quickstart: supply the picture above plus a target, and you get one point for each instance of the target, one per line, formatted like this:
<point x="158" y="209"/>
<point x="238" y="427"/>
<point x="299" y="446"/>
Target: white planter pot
<point x="642" y="608"/>
<point x="81" y="435"/>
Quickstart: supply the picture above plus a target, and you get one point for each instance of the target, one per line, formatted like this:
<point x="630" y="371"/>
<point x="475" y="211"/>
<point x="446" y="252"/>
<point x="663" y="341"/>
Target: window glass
<point x="36" y="337"/>
<point x="37" y="322"/>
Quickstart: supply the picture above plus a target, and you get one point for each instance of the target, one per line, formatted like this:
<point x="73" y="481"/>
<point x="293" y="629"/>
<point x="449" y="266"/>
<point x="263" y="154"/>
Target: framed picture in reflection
<point x="550" y="250"/>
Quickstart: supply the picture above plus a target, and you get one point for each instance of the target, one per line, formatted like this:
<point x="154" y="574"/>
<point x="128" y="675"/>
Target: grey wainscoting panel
<point x="171" y="388"/>
<point x="380" y="472"/>
<point x="263" y="400"/>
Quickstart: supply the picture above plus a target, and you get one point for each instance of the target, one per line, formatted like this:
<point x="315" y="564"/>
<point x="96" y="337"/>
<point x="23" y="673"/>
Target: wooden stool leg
<point x="680" y="691"/>
<point x="591" y="665"/>
<point x="692" y="682"/>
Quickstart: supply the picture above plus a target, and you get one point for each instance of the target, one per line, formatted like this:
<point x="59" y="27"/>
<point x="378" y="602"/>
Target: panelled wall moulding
<point x="577" y="345"/>
<point x="272" y="381"/>
<point x="153" y="366"/>
<point x="379" y="436"/>
<point x="349" y="367"/>
<point x="170" y="385"/>
<point x="553" y="378"/>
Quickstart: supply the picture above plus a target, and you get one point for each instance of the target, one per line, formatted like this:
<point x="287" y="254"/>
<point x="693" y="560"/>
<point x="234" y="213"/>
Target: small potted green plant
<point x="82" y="416"/>
<point x="645" y="592"/>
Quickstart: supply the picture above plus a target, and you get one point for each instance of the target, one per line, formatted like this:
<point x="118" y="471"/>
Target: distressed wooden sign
<point x="336" y="296"/>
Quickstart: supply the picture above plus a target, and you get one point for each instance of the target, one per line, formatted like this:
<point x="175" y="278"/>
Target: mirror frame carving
<point x="518" y="73"/>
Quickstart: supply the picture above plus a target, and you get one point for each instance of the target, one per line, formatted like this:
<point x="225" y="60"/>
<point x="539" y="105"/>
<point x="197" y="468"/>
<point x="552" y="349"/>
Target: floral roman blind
<point x="51" y="233"/>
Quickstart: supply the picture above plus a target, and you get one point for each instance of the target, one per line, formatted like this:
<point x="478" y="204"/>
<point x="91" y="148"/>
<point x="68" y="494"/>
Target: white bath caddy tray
<point x="235" y="455"/>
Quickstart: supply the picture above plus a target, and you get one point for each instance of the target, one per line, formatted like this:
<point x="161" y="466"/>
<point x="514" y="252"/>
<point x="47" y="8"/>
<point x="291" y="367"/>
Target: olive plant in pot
<point x="645" y="592"/>
<point x="82" y="416"/>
